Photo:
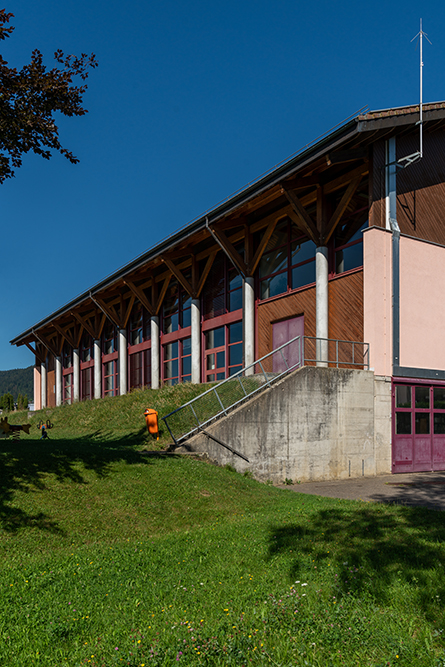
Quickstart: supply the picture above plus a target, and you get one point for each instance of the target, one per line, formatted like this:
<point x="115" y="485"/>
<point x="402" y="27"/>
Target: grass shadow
<point x="26" y="464"/>
<point x="369" y="550"/>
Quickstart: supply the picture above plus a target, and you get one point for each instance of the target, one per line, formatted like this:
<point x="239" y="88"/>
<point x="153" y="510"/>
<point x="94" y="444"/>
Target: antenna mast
<point x="409" y="159"/>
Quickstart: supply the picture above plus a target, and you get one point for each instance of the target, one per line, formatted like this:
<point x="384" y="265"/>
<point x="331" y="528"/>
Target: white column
<point x="249" y="323"/>
<point x="123" y="357"/>
<point x="43" y="383"/>
<point x="76" y="375"/>
<point x="196" y="341"/>
<point x="155" y="360"/>
<point x="97" y="369"/>
<point x="58" y="367"/>
<point x="321" y="291"/>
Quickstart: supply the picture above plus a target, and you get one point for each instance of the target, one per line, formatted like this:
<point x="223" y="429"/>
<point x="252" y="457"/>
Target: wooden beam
<point x="337" y="157"/>
<point x="344" y="201"/>
<point x="46" y="343"/>
<point x="36" y="353"/>
<point x="64" y="333"/>
<point x="205" y="273"/>
<point x="308" y="224"/>
<point x="228" y="247"/>
<point x="302" y="182"/>
<point x="162" y="294"/>
<point x="83" y="323"/>
<point x="262" y="246"/>
<point x="178" y="275"/>
<point x="128" y="311"/>
<point x="140" y="295"/>
<point x="111" y="314"/>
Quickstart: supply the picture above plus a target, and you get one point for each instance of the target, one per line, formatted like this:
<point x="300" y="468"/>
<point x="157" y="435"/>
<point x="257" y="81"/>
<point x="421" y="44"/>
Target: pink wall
<point x="377" y="288"/>
<point x="422" y="304"/>
<point x="37" y="388"/>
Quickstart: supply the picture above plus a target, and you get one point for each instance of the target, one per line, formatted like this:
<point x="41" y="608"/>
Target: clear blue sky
<point x="191" y="101"/>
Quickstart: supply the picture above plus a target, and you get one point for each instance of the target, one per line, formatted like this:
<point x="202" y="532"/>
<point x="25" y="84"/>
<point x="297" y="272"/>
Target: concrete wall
<point x="315" y="424"/>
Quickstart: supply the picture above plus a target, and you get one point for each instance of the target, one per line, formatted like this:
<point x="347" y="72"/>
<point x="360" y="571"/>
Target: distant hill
<point x="17" y="381"/>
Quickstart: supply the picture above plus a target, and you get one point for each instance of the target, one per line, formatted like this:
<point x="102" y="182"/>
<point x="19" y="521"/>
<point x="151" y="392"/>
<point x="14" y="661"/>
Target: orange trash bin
<point x="151" y="419"/>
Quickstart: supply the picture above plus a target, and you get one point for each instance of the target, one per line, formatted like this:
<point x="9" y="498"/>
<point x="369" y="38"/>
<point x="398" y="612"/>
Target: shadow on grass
<point x="369" y="550"/>
<point x="25" y="464"/>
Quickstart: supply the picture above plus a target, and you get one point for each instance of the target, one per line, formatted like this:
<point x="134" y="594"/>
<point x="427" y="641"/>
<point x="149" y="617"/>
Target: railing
<point x="193" y="416"/>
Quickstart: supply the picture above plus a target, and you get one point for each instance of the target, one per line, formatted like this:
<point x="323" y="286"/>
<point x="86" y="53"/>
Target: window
<point x="348" y="255"/>
<point x="138" y="326"/>
<point x="86" y="348"/>
<point x="68" y="388"/>
<point x="111" y="378"/>
<point x="109" y="338"/>
<point x="177" y="361"/>
<point x="86" y="384"/>
<point x="223" y="351"/>
<point x="140" y="369"/>
<point x="176" y="310"/>
<point x="223" y="293"/>
<point x="288" y="261"/>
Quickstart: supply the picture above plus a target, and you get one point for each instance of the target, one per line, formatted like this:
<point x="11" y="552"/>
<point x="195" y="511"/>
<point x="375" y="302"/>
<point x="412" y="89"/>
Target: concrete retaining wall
<point x="315" y="424"/>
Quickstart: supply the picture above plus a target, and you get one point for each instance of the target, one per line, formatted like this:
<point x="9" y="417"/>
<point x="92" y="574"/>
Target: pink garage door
<point x="418" y="442"/>
<point x="281" y="333"/>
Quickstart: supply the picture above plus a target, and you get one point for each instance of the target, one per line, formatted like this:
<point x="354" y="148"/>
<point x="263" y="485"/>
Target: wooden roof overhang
<point x="316" y="189"/>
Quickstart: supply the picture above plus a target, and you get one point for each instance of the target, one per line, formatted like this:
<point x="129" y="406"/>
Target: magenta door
<point x="418" y="428"/>
<point x="291" y="355"/>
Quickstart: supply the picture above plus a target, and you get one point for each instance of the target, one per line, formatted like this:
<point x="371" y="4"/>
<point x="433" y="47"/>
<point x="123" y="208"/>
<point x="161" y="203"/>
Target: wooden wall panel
<point x="51" y="389"/>
<point x="345" y="311"/>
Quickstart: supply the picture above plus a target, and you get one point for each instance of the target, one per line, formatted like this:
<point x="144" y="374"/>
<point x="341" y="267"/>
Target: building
<point x="344" y="241"/>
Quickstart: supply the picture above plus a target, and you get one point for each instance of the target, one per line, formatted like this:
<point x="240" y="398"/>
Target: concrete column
<point x="76" y="375"/>
<point x="123" y="361"/>
<point x="37" y="387"/>
<point x="58" y="368"/>
<point x="249" y="323"/>
<point x="321" y="291"/>
<point x="97" y="369"/>
<point x="43" y="384"/>
<point x="155" y="357"/>
<point x="196" y="341"/>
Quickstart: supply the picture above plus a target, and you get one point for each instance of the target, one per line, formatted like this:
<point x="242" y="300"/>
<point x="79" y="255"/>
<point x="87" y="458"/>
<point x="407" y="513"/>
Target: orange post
<point x="151" y="419"/>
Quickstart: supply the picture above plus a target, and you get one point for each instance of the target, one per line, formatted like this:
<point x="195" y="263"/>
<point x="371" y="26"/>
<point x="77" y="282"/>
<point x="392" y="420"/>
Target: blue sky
<point x="191" y="101"/>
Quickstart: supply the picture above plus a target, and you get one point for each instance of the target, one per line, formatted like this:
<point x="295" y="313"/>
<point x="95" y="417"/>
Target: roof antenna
<point x="409" y="159"/>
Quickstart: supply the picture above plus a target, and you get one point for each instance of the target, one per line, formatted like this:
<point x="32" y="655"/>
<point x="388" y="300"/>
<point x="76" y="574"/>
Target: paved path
<point x="426" y="489"/>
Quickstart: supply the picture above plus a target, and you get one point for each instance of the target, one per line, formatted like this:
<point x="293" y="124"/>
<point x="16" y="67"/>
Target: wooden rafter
<point x="46" y="343"/>
<point x="36" y="352"/>
<point x="128" y="310"/>
<point x="262" y="246"/>
<point x="66" y="335"/>
<point x="228" y="247"/>
<point x="85" y="324"/>
<point x="140" y="295"/>
<point x="205" y="273"/>
<point x="111" y="314"/>
<point x="178" y="275"/>
<point x="341" y="208"/>
<point x="162" y="294"/>
<point x="306" y="220"/>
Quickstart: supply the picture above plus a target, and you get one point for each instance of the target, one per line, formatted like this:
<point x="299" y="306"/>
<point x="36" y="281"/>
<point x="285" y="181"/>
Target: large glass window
<point x="86" y="384"/>
<point x="348" y="255"/>
<point x="176" y="309"/>
<point x="140" y="369"/>
<point x="68" y="388"/>
<point x="86" y="347"/>
<point x="223" y="351"/>
<point x="111" y="378"/>
<point x="288" y="261"/>
<point x="109" y="338"/>
<point x="177" y="361"/>
<point x="223" y="292"/>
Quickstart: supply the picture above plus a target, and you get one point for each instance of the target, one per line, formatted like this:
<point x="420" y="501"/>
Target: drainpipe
<point x="391" y="224"/>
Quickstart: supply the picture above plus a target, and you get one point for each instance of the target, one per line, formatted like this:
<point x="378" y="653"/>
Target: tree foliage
<point x="22" y="402"/>
<point x="7" y="402"/>
<point x="30" y="97"/>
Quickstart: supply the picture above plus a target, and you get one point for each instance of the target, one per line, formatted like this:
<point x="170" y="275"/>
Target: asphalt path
<point x="421" y="489"/>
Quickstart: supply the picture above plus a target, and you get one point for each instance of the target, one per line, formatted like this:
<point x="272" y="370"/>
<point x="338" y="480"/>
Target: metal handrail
<point x="262" y="379"/>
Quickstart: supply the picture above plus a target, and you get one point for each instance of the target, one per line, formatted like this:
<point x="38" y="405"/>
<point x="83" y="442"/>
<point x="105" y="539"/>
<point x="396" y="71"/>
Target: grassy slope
<point x="111" y="556"/>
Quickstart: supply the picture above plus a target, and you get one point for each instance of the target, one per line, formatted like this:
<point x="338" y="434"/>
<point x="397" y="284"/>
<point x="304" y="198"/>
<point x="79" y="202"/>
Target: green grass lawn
<point x="114" y="556"/>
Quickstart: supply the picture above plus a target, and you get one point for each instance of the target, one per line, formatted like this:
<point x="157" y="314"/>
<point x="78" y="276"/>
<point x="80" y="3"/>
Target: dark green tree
<point x="22" y="402"/>
<point x="29" y="98"/>
<point x="7" y="402"/>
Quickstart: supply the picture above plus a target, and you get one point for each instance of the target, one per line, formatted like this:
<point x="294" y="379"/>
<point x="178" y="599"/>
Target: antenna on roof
<point x="409" y="159"/>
